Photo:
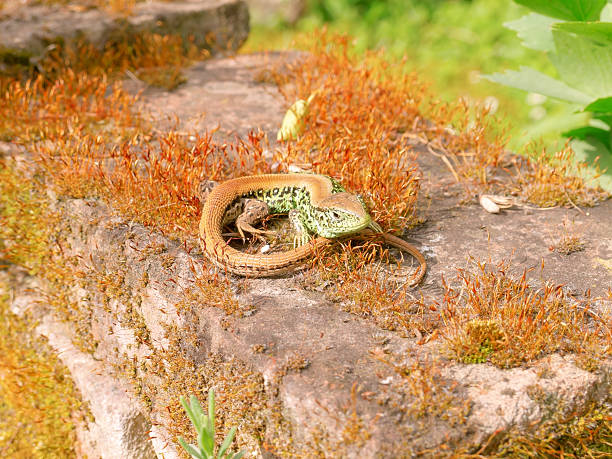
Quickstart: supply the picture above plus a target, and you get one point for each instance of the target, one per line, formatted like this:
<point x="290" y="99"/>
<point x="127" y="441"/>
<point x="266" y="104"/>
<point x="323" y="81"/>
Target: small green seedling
<point x="205" y="427"/>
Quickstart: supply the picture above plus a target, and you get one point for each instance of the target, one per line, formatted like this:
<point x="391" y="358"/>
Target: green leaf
<point x="569" y="10"/>
<point x="198" y="412"/>
<point x="191" y="449"/>
<point x="227" y="442"/>
<point x="207" y="443"/>
<point x="604" y="118"/>
<point x="195" y="420"/>
<point x="606" y="13"/>
<point x="556" y="123"/>
<point x="531" y="80"/>
<point x="534" y="30"/>
<point x="583" y="60"/>
<point x="587" y="133"/>
<point x="603" y="105"/>
<point x="211" y="411"/>
<point x="599" y="32"/>
<point x="586" y="151"/>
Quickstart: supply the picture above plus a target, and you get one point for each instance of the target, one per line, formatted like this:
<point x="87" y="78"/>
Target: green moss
<point x="29" y="238"/>
<point x="26" y="221"/>
<point x="38" y="401"/>
<point x="14" y="62"/>
<point x="563" y="435"/>
<point x="483" y="337"/>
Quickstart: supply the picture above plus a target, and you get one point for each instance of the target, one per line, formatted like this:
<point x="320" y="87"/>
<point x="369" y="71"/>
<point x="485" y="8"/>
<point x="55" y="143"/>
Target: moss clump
<point x="38" y="401"/>
<point x="483" y="337"/>
<point x="13" y="62"/>
<point x="497" y="317"/>
<point x="567" y="435"/>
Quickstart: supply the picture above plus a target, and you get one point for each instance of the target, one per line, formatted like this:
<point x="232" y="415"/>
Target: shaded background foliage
<point x="450" y="43"/>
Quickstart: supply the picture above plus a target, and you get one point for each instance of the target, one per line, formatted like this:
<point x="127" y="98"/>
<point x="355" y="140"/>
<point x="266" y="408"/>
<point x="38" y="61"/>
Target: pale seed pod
<point x="293" y="122"/>
<point x="488" y="204"/>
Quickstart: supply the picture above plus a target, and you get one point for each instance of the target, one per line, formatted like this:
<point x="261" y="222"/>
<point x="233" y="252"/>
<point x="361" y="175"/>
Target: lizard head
<point x="343" y="214"/>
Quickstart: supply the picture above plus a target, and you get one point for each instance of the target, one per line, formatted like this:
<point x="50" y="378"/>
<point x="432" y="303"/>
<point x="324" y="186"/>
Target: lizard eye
<point x="335" y="214"/>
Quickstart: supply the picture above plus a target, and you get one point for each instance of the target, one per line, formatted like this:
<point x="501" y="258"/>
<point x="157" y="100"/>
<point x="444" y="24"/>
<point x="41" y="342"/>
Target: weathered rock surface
<point x="223" y="94"/>
<point x="454" y="233"/>
<point x="311" y="355"/>
<point x="219" y="25"/>
<point x="268" y="11"/>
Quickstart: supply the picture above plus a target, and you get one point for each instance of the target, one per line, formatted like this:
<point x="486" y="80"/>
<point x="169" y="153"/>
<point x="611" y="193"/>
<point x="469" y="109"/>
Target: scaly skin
<point x="325" y="209"/>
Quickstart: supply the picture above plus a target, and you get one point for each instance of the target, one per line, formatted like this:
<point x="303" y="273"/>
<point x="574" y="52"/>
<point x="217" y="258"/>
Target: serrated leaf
<point x="583" y="62"/>
<point x="569" y="10"/>
<point x="603" y="105"/>
<point x="191" y="449"/>
<point x="556" y="123"/>
<point x="531" y="80"/>
<point x="604" y="118"/>
<point x="586" y="151"/>
<point x="534" y="30"/>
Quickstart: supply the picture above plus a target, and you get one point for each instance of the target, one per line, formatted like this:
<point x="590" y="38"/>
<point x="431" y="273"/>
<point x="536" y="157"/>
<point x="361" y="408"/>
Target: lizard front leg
<point x="302" y="235"/>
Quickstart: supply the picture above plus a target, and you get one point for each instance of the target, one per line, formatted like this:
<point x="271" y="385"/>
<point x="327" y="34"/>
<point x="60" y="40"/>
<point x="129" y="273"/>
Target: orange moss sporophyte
<point x="70" y="107"/>
<point x="155" y="59"/>
<point x="498" y="317"/>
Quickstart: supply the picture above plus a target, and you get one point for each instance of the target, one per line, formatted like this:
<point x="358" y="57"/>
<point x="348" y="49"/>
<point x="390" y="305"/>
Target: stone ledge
<point x="338" y="347"/>
<point x="218" y="25"/>
<point x="288" y="321"/>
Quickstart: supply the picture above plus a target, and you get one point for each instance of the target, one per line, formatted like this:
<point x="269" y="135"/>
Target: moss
<point x="239" y="392"/>
<point x="30" y="238"/>
<point x="360" y="142"/>
<point x="25" y="232"/>
<point x="39" y="404"/>
<point x="14" y="62"/>
<point x="498" y="317"/>
<point x="483" y="337"/>
<point x="562" y="434"/>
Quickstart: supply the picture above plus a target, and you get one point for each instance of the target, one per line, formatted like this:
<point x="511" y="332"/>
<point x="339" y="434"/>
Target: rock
<point x="224" y="94"/>
<point x="218" y="25"/>
<point x="317" y="378"/>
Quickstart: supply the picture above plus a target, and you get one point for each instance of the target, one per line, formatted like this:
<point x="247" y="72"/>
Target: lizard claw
<point x="244" y="227"/>
<point x="300" y="239"/>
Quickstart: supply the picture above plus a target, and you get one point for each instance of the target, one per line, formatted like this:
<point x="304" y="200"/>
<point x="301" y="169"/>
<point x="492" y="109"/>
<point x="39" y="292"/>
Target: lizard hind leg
<point x="302" y="235"/>
<point x="253" y="211"/>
